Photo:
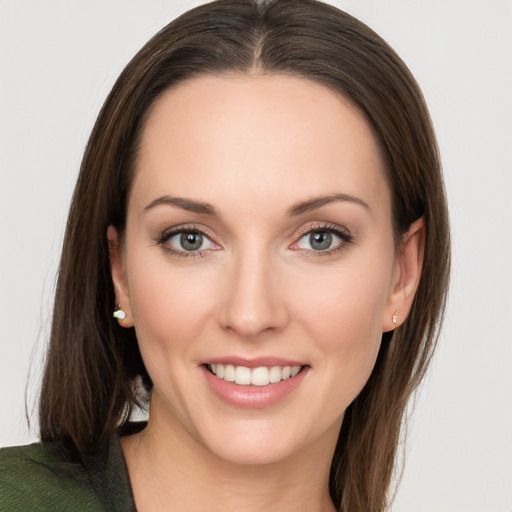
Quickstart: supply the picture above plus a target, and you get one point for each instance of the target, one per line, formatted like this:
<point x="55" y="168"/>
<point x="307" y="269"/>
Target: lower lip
<point x="255" y="397"/>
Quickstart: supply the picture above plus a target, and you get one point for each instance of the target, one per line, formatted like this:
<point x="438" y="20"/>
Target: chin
<point x="264" y="442"/>
<point x="249" y="451"/>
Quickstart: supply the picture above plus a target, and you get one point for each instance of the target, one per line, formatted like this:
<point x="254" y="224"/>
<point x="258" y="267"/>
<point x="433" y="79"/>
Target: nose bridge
<point x="253" y="303"/>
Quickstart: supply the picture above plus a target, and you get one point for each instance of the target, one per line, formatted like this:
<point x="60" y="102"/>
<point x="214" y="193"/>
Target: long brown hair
<point x="87" y="390"/>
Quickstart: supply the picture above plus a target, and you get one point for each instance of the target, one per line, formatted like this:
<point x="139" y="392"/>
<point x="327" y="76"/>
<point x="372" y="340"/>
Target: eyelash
<point x="169" y="234"/>
<point x="343" y="234"/>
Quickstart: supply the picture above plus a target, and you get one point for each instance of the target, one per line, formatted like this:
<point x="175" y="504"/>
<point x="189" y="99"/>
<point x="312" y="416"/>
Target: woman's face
<point x="258" y="243"/>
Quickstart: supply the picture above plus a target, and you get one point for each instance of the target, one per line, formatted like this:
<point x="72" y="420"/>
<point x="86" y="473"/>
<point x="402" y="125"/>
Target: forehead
<point x="273" y="135"/>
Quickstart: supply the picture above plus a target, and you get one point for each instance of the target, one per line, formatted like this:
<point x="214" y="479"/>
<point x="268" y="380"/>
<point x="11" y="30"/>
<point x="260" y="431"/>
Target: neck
<point x="170" y="470"/>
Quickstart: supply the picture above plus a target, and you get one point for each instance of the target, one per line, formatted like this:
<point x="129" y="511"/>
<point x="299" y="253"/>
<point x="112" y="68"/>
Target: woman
<point x="260" y="206"/>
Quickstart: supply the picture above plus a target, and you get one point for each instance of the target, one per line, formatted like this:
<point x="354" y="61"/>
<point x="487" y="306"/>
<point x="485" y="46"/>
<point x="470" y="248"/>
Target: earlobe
<point x="406" y="277"/>
<point x="122" y="303"/>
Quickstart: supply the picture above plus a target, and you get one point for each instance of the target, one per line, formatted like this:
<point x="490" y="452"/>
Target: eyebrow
<point x="185" y="204"/>
<point x="317" y="202"/>
<point x="296" y="209"/>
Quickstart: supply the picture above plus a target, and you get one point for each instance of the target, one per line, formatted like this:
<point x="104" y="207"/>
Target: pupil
<point x="191" y="241"/>
<point x="320" y="240"/>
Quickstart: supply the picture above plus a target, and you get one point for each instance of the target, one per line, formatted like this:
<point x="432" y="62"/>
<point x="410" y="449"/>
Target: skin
<point x="253" y="148"/>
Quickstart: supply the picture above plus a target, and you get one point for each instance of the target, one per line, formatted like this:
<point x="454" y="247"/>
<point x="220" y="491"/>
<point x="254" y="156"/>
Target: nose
<point x="254" y="299"/>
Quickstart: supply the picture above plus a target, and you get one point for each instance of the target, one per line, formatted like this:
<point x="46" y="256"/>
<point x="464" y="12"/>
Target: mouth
<point x="259" y="376"/>
<point x="256" y="383"/>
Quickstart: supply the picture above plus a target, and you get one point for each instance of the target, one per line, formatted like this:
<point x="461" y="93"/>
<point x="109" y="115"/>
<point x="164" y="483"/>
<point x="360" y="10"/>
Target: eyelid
<point x="169" y="233"/>
<point x="323" y="226"/>
<point x="340" y="231"/>
<point x="166" y="233"/>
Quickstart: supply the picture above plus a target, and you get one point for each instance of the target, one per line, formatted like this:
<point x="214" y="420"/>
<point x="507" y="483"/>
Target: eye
<point x="318" y="241"/>
<point x="187" y="242"/>
<point x="324" y="239"/>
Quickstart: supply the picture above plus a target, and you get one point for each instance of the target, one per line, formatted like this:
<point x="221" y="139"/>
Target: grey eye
<point x="323" y="240"/>
<point x="191" y="241"/>
<point x="320" y="240"/>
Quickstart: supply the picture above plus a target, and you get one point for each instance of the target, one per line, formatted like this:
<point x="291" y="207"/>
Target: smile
<point x="255" y="383"/>
<point x="260" y="376"/>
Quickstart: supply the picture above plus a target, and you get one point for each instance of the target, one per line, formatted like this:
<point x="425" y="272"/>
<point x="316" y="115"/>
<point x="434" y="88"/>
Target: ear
<point x="406" y="276"/>
<point x="119" y="276"/>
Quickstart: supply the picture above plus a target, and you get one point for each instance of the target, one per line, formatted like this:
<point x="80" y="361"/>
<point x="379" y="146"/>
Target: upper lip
<point x="253" y="362"/>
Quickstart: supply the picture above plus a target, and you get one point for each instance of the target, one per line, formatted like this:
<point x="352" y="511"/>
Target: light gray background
<point x="58" y="62"/>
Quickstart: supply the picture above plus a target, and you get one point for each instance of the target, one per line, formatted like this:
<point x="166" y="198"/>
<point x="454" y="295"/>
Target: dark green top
<point x="33" y="480"/>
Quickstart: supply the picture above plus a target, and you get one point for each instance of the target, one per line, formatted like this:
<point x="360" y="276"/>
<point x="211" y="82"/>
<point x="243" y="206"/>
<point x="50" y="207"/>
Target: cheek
<point x="345" y="301"/>
<point x="168" y="305"/>
<point x="343" y="315"/>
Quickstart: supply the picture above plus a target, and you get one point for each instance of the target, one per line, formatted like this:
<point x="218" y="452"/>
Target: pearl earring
<point x="119" y="314"/>
<point x="395" y="317"/>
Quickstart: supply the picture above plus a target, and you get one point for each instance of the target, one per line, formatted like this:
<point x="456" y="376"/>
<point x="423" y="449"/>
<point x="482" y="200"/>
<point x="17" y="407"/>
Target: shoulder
<point x="33" y="478"/>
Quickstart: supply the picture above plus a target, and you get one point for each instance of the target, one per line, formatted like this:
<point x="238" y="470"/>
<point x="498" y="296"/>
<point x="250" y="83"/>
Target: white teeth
<point x="275" y="374"/>
<point x="229" y="372"/>
<point x="261" y="376"/>
<point x="243" y="375"/>
<point x="295" y="370"/>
